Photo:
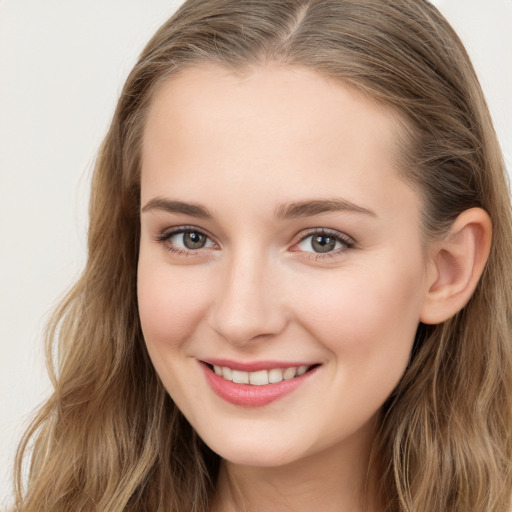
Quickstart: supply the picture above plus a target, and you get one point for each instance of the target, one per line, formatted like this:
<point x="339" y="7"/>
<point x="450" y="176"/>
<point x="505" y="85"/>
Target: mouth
<point x="260" y="377"/>
<point x="258" y="384"/>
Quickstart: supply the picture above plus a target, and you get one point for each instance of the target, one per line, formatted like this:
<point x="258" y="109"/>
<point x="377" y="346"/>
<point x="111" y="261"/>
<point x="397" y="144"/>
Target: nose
<point x="248" y="305"/>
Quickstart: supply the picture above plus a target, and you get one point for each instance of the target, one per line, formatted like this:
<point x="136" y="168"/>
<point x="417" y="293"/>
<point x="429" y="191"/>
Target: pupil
<point x="193" y="240"/>
<point x="323" y="243"/>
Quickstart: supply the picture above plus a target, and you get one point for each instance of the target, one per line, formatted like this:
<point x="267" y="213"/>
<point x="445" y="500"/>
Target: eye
<point x="184" y="240"/>
<point x="324" y="242"/>
<point x="189" y="240"/>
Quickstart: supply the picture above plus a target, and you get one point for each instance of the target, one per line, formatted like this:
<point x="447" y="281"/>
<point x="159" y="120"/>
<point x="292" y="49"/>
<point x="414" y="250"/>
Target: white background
<point x="62" y="65"/>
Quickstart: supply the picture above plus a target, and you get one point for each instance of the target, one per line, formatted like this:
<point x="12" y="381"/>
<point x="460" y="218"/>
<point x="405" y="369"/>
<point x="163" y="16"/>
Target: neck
<point x="335" y="480"/>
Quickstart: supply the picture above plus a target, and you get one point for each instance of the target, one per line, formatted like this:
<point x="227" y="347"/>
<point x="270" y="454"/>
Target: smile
<point x="258" y="384"/>
<point x="261" y="377"/>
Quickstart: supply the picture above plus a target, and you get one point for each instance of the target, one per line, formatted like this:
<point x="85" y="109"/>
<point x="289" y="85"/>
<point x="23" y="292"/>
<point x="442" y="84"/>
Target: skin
<point x="241" y="146"/>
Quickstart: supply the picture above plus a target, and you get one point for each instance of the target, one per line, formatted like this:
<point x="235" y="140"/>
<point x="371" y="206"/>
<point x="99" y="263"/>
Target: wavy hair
<point x="111" y="439"/>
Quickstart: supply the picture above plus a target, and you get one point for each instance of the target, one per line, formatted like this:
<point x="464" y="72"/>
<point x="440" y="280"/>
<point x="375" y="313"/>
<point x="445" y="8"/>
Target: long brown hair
<point x="110" y="438"/>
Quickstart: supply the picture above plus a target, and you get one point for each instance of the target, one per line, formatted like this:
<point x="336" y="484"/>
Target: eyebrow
<point x="171" y="206"/>
<point x="312" y="207"/>
<point x="296" y="209"/>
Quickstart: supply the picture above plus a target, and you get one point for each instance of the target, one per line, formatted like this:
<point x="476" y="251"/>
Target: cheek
<point x="171" y="304"/>
<point x="366" y="317"/>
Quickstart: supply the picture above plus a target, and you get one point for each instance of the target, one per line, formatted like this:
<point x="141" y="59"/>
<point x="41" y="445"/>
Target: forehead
<point x="267" y="99"/>
<point x="275" y="128"/>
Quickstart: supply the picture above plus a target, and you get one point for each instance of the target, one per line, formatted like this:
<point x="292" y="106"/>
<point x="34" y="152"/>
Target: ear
<point x="456" y="264"/>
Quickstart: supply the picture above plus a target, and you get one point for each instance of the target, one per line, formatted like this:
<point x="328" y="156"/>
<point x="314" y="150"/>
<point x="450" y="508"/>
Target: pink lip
<point x="249" y="395"/>
<point x="256" y="365"/>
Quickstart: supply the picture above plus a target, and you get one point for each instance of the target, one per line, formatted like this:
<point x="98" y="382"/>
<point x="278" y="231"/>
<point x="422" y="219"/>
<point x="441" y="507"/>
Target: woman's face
<point x="279" y="247"/>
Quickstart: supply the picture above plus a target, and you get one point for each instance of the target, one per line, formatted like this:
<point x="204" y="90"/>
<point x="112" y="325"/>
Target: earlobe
<point x="457" y="262"/>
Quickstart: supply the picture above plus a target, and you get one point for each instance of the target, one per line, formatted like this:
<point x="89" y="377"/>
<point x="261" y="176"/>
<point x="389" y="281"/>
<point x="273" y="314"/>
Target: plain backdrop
<point x="62" y="65"/>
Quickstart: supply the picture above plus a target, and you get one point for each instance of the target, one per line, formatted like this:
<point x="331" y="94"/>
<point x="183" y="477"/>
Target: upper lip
<point x="254" y="366"/>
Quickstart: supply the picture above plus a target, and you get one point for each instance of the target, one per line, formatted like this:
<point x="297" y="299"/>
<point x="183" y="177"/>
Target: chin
<point x="259" y="457"/>
<point x="247" y="450"/>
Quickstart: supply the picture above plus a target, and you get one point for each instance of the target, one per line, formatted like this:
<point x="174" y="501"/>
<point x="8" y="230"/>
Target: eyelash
<point x="164" y="237"/>
<point x="347" y="242"/>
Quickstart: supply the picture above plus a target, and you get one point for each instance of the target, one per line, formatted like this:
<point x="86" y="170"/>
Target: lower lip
<point x="249" y="395"/>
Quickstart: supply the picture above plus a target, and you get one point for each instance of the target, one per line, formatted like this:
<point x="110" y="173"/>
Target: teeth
<point x="301" y="370"/>
<point x="275" y="375"/>
<point x="289" y="373"/>
<point x="258" y="378"/>
<point x="261" y="377"/>
<point x="227" y="373"/>
<point x="240" y="377"/>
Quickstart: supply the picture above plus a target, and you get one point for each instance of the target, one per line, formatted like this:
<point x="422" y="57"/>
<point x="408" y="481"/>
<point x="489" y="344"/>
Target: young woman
<point x="297" y="294"/>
